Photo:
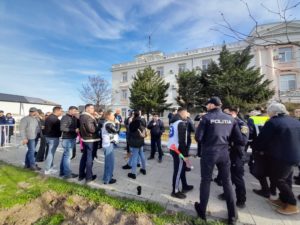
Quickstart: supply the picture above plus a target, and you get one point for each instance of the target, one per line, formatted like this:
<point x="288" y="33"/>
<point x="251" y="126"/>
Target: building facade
<point x="278" y="61"/>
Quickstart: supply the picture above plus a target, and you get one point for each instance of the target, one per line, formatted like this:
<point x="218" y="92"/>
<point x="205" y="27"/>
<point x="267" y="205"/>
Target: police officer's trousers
<point x="210" y="157"/>
<point x="237" y="177"/>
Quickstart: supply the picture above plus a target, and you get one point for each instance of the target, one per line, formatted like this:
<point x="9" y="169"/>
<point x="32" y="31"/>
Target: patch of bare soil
<point x="76" y="210"/>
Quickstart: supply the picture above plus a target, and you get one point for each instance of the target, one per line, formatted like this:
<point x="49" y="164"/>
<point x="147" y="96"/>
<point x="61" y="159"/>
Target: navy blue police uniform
<point x="215" y="133"/>
<point x="238" y="158"/>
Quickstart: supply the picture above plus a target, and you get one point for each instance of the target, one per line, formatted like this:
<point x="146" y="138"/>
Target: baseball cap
<point x="214" y="100"/>
<point x="33" y="109"/>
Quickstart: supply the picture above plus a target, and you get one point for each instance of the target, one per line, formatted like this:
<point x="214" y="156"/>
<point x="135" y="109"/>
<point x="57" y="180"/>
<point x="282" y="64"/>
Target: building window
<point x="205" y="63"/>
<point x="285" y="54"/>
<point x="181" y="67"/>
<point x="160" y="71"/>
<point x="124" y="77"/>
<point x="287" y="82"/>
<point x="124" y="95"/>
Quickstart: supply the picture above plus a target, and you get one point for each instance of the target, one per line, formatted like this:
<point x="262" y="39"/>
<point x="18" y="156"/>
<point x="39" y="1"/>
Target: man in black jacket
<point x="156" y="127"/>
<point x="52" y="134"/>
<point x="89" y="133"/>
<point x="177" y="136"/>
<point x="279" y="142"/>
<point x="69" y="127"/>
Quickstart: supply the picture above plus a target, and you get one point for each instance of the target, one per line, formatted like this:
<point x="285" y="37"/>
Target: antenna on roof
<point x="151" y="34"/>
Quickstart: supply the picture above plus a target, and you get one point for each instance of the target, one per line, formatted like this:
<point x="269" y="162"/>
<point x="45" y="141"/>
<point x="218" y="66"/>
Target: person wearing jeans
<point x="90" y="138"/>
<point x="137" y="134"/>
<point x="52" y="134"/>
<point x="69" y="127"/>
<point x="109" y="132"/>
<point x="29" y="128"/>
<point x="138" y="153"/>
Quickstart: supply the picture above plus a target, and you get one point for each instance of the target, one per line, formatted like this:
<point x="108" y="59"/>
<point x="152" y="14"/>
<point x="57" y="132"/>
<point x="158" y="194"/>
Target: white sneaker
<point x="53" y="170"/>
<point x="47" y="172"/>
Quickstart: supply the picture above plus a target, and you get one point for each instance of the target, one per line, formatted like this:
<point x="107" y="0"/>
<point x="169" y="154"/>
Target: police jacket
<point x="68" y="126"/>
<point x="218" y="129"/>
<point x="280" y="139"/>
<point x="52" y="127"/>
<point x="88" y="128"/>
<point x="238" y="149"/>
<point x="182" y="134"/>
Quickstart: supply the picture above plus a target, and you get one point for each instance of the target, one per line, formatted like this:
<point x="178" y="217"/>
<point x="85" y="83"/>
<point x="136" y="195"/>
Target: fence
<point x="8" y="135"/>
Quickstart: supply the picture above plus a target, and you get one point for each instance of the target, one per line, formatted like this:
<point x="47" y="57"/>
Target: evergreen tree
<point x="235" y="82"/>
<point x="148" y="92"/>
<point x="189" y="88"/>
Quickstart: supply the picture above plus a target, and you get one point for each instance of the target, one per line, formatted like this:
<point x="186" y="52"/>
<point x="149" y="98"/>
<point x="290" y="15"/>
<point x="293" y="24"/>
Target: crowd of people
<point x="223" y="138"/>
<point x="7" y="128"/>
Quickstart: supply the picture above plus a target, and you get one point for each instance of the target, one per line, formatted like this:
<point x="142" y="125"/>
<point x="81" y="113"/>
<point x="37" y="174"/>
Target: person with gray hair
<point x="279" y="141"/>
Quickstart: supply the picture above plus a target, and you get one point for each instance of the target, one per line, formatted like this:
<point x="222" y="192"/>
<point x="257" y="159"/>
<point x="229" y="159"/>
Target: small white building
<point x="19" y="105"/>
<point x="278" y="62"/>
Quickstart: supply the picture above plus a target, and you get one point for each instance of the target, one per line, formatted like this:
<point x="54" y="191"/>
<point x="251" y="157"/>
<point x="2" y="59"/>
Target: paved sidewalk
<point x="156" y="186"/>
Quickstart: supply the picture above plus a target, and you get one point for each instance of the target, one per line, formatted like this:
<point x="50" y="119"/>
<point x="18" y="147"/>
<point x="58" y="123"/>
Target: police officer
<point x="237" y="158"/>
<point x="216" y="130"/>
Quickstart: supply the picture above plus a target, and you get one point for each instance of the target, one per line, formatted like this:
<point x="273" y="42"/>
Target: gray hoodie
<point x="29" y="127"/>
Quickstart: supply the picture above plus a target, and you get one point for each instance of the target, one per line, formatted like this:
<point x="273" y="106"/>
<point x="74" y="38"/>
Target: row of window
<point x="160" y="70"/>
<point x="285" y="54"/>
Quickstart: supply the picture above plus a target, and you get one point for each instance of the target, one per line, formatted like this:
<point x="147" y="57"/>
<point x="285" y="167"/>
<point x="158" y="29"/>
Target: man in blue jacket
<point x="279" y="141"/>
<point x="215" y="132"/>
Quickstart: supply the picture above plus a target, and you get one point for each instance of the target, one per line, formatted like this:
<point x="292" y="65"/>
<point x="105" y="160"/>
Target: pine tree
<point x="235" y="82"/>
<point x="189" y="87"/>
<point x="148" y="92"/>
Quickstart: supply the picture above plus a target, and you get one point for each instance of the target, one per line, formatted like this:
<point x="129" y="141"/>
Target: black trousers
<point x="237" y="177"/>
<point x="156" y="144"/>
<point x="178" y="172"/>
<point x="43" y="150"/>
<point x="281" y="174"/>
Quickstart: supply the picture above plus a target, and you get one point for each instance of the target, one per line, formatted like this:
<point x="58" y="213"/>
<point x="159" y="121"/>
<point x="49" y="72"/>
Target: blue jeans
<point x="130" y="159"/>
<point x="86" y="161"/>
<point x="68" y="145"/>
<point x="53" y="144"/>
<point x="29" y="158"/>
<point x="108" y="163"/>
<point x="136" y="153"/>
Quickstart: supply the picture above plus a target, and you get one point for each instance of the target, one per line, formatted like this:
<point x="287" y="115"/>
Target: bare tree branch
<point x="97" y="91"/>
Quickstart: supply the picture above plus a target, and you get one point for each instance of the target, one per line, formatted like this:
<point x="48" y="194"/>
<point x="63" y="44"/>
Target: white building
<point x="279" y="62"/>
<point x="19" y="106"/>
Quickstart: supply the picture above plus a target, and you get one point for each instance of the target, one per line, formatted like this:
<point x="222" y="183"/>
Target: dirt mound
<point x="76" y="210"/>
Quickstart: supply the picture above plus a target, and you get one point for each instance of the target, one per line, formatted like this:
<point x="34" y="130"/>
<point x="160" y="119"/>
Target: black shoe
<point x="200" y="214"/>
<point x="262" y="193"/>
<point x="160" y="160"/>
<point x="297" y="182"/>
<point x="150" y="158"/>
<point x="221" y="197"/>
<point x="35" y="168"/>
<point x="297" y="177"/>
<point x="187" y="188"/>
<point x="187" y="169"/>
<point x="232" y="221"/>
<point x="138" y="165"/>
<point x="81" y="178"/>
<point x="126" y="167"/>
<point x="240" y="204"/>
<point x="71" y="176"/>
<point x="93" y="178"/>
<point x="112" y="181"/>
<point x="218" y="182"/>
<point x="179" y="195"/>
<point x="298" y="197"/>
<point x="131" y="175"/>
<point x="143" y="171"/>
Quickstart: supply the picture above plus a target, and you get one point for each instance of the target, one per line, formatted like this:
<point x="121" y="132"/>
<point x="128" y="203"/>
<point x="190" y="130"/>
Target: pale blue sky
<point x="48" y="48"/>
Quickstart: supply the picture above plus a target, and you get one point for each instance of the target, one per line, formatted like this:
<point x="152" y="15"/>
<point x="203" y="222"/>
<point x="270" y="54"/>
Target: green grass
<point x="55" y="219"/>
<point x="19" y="186"/>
